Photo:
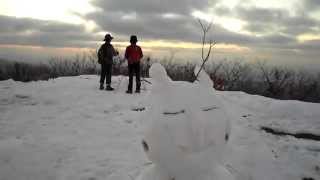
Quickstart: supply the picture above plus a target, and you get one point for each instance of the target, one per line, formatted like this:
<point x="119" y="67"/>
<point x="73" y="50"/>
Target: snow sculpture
<point x="187" y="132"/>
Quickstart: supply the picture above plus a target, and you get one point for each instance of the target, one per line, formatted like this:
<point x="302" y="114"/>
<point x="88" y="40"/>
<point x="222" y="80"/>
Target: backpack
<point x="100" y="55"/>
<point x="105" y="54"/>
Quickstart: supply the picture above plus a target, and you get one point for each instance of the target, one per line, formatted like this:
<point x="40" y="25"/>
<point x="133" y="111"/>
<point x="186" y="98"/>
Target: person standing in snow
<point x="133" y="54"/>
<point x="105" y="58"/>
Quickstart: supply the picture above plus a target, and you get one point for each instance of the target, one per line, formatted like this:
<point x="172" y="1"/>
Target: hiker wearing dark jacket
<point x="105" y="55"/>
<point x="134" y="54"/>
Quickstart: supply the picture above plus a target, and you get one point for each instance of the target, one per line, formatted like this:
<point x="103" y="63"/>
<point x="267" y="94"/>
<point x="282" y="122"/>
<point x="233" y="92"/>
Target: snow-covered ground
<point x="67" y="129"/>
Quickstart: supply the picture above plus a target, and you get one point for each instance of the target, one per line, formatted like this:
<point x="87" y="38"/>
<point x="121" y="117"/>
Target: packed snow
<point x="187" y="134"/>
<point x="67" y="129"/>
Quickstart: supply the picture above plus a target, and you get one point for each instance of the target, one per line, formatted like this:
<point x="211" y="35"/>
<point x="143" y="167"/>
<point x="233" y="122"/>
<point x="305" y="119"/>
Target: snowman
<point x="187" y="130"/>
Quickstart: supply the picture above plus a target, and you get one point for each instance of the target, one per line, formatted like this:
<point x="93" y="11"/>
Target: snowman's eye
<point x="145" y="146"/>
<point x="174" y="112"/>
<point x="226" y="137"/>
<point x="210" y="108"/>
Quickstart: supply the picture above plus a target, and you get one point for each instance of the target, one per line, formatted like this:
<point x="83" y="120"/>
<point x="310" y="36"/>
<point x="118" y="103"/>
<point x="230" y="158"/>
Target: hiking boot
<point x="101" y="87"/>
<point x="129" y="91"/>
<point x="109" y="88"/>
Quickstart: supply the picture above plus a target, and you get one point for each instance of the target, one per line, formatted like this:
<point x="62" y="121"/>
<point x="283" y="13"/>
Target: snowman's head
<point x="188" y="128"/>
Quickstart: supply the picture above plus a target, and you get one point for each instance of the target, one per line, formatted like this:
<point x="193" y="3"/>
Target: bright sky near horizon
<point x="280" y="30"/>
<point x="59" y="10"/>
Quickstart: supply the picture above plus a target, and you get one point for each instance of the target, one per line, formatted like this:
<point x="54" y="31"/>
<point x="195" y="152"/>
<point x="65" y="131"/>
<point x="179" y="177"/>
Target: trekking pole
<point x="145" y="73"/>
<point x="143" y="79"/>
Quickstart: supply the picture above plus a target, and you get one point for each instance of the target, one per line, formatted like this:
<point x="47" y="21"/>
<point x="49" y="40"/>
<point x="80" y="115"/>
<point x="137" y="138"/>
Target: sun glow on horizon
<point x="308" y="37"/>
<point x="184" y="45"/>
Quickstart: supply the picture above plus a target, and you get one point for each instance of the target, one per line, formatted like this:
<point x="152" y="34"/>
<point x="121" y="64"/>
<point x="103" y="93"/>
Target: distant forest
<point x="258" y="78"/>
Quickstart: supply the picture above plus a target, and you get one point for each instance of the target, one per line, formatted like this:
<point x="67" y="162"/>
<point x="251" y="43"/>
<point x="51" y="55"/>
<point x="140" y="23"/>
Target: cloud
<point x="150" y="21"/>
<point x="147" y="19"/>
<point x="300" y="24"/>
<point x="152" y="6"/>
<point x="150" y="26"/>
<point x="256" y="14"/>
<point x="167" y="19"/>
<point x="222" y="11"/>
<point x="173" y="21"/>
<point x="273" y="29"/>
<point x="271" y="20"/>
<point x="312" y="45"/>
<point x="27" y="31"/>
<point x="312" y="5"/>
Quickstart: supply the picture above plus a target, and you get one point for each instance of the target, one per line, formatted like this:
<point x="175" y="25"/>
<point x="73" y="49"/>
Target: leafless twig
<point x="211" y="44"/>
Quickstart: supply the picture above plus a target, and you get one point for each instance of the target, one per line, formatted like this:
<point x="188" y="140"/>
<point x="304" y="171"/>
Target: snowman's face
<point x="188" y="129"/>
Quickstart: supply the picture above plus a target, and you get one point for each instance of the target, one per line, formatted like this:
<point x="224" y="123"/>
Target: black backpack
<point x="101" y="55"/>
<point x="105" y="54"/>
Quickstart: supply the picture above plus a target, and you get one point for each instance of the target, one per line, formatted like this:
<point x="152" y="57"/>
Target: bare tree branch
<point x="211" y="44"/>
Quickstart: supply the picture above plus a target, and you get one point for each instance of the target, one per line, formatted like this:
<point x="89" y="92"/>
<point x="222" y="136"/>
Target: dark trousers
<point x="106" y="73"/>
<point x="134" y="69"/>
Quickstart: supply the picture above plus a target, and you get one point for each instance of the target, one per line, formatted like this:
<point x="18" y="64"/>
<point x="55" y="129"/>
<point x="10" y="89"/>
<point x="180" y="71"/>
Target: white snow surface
<point x="67" y="129"/>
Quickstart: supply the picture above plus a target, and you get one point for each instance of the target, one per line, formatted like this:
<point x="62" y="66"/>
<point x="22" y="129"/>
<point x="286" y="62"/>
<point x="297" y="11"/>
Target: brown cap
<point x="108" y="37"/>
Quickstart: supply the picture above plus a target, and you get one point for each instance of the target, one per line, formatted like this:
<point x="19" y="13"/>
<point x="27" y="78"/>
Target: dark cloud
<point x="149" y="20"/>
<point x="11" y="25"/>
<point x="255" y="14"/>
<point x="300" y="24"/>
<point x="269" y="28"/>
<point x="222" y="35"/>
<point x="152" y="6"/>
<point x="150" y="26"/>
<point x="257" y="28"/>
<point x="222" y="11"/>
<point x="279" y="25"/>
<point x="27" y="31"/>
<point x="273" y="20"/>
<point x="151" y="23"/>
<point x="156" y="27"/>
<point x="183" y="28"/>
<point x="312" y="5"/>
<point x="266" y="20"/>
<point x="313" y="45"/>
<point x="279" y="39"/>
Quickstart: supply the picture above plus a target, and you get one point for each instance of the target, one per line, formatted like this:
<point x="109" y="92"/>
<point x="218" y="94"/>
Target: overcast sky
<point x="278" y="31"/>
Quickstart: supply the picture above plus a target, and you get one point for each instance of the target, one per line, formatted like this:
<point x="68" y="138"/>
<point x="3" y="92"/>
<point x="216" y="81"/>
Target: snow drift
<point x="66" y="129"/>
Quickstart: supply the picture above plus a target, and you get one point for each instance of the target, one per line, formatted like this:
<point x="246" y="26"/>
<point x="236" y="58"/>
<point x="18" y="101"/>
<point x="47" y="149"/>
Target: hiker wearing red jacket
<point x="133" y="54"/>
